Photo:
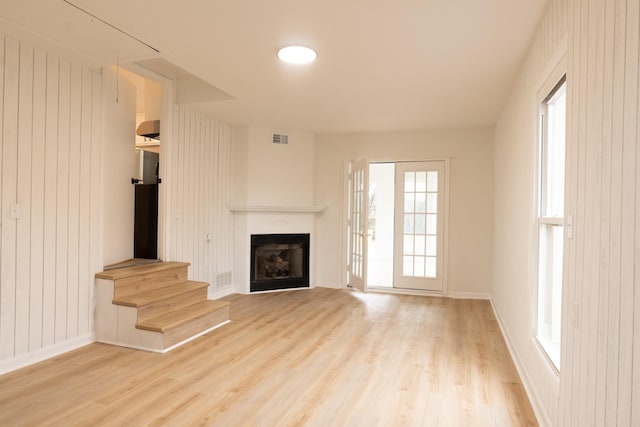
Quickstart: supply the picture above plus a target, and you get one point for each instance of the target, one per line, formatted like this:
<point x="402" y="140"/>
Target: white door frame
<point x="166" y="154"/>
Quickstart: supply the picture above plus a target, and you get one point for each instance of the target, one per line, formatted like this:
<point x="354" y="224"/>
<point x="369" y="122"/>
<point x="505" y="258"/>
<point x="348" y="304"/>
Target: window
<point x="550" y="220"/>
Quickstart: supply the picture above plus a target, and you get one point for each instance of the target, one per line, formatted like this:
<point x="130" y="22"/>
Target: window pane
<point x="550" y="239"/>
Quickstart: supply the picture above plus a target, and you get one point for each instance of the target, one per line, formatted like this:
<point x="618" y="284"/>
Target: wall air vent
<point x="280" y="139"/>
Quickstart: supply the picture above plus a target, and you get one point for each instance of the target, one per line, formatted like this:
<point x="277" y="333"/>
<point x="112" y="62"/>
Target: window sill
<point x="550" y="351"/>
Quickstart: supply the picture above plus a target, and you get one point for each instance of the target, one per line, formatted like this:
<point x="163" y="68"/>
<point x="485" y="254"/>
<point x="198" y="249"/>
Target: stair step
<point x="155" y="295"/>
<point x="177" y="318"/>
<point x="138" y="270"/>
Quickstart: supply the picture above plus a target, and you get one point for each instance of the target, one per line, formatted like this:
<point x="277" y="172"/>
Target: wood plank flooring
<point x="318" y="357"/>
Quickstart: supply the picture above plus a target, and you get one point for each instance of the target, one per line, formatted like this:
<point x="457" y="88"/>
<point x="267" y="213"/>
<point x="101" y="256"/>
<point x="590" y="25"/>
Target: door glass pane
<point x="408" y="244"/>
<point x="409" y="202"/>
<point x="432" y="181"/>
<point x="409" y="182"/>
<point x="432" y="203"/>
<point x="431" y="245"/>
<point x="432" y="222"/>
<point x="407" y="266"/>
<point x="420" y="223"/>
<point x="421" y="181"/>
<point x="419" y="266"/>
<point x="430" y="267"/>
<point x="421" y="202"/>
<point x="420" y="245"/>
<point x="408" y="223"/>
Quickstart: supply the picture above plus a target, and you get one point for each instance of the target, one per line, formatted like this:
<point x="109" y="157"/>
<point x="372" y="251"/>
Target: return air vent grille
<point x="280" y="139"/>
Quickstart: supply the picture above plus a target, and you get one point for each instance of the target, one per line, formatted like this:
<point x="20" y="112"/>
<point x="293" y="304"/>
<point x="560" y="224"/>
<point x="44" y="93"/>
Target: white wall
<point x="599" y="380"/>
<point x="199" y="182"/>
<point x="50" y="167"/>
<point x="275" y="176"/>
<point x="471" y="196"/>
<point x="119" y="107"/>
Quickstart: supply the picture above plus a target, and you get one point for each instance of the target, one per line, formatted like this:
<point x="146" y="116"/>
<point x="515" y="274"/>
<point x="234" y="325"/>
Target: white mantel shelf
<point x="278" y="209"/>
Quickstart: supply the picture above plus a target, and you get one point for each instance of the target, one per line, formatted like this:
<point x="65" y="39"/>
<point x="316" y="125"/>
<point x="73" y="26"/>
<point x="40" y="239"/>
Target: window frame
<point x="555" y="80"/>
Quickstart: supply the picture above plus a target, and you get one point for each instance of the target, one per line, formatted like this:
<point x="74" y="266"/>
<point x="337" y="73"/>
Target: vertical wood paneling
<point x="604" y="300"/>
<point x="600" y="372"/>
<point x="9" y="198"/>
<point x="73" y="219"/>
<point x="49" y="246"/>
<point x="37" y="200"/>
<point x="50" y="202"/>
<point x="200" y="200"/>
<point x="84" y="209"/>
<point x="95" y="196"/>
<point x="23" y="198"/>
<point x="3" y="208"/>
<point x="629" y="193"/>
<point x="62" y="202"/>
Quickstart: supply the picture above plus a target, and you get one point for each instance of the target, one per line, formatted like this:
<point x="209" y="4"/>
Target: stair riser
<point x="195" y="326"/>
<point x="171" y="304"/>
<point x="147" y="282"/>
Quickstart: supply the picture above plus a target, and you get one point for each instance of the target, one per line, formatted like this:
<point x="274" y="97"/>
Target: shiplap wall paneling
<point x="37" y="200"/>
<point x="9" y="197"/>
<point x="200" y="172"/>
<point x="48" y="243"/>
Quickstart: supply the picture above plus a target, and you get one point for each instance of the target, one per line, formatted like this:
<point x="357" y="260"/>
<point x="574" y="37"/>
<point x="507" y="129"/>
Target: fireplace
<point x="279" y="261"/>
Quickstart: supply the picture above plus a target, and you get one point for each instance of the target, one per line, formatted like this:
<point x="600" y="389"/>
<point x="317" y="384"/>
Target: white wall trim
<point x="470" y="295"/>
<point x="536" y="403"/>
<point x="45" y="353"/>
<point x="220" y="293"/>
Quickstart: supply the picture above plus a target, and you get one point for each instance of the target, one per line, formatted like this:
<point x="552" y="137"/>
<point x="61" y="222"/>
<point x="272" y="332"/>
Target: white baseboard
<point x="36" y="356"/>
<point x="220" y="293"/>
<point x="470" y="295"/>
<point x="327" y="285"/>
<point x="536" y="404"/>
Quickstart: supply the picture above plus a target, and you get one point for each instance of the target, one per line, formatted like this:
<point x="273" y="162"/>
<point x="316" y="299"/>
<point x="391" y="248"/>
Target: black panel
<point x="145" y="234"/>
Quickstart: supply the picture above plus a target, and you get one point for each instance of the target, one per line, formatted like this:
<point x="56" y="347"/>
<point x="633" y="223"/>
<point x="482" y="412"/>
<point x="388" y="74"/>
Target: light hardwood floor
<point x="317" y="357"/>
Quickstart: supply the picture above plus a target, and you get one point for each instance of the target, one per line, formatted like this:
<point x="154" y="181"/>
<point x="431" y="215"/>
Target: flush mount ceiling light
<point x="297" y="54"/>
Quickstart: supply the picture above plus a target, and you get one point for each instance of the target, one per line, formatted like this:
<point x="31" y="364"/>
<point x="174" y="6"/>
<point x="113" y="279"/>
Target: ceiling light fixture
<point x="297" y="54"/>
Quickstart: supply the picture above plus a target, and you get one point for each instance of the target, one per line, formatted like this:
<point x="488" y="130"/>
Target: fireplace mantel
<point x="278" y="209"/>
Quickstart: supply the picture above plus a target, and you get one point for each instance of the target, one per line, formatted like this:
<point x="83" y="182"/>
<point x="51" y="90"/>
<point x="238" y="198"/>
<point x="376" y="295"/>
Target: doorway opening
<point x="145" y="177"/>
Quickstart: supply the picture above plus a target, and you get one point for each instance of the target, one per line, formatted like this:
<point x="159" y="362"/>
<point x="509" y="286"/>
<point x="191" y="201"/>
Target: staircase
<point x="154" y="307"/>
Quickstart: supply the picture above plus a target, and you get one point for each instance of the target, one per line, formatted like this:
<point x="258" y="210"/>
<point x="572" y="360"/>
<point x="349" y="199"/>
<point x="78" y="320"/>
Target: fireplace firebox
<point x="279" y="261"/>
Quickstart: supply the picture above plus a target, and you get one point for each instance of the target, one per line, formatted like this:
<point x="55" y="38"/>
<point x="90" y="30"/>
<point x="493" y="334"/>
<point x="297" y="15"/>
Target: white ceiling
<point x="382" y="64"/>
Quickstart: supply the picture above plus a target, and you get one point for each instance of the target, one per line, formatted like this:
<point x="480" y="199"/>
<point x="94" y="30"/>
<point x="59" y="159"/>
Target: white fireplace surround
<point x="250" y="220"/>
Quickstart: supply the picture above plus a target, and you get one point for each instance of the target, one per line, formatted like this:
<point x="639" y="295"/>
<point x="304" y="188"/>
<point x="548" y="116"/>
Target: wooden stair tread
<point x="121" y="273"/>
<point x="168" y="321"/>
<point x="149" y="297"/>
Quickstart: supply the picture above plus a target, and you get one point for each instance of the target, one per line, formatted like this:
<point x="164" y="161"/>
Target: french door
<point x="418" y="256"/>
<point x="358" y="223"/>
<point x="407" y="237"/>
